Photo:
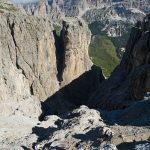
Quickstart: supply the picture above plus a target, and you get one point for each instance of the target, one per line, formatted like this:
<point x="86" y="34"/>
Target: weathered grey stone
<point x="80" y="126"/>
<point x="78" y="77"/>
<point x="76" y="38"/>
<point x="145" y="146"/>
<point x="27" y="61"/>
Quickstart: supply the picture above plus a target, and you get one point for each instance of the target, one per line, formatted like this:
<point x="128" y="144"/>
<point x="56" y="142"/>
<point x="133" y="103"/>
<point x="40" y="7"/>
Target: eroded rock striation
<point x="29" y="60"/>
<point x="76" y="38"/>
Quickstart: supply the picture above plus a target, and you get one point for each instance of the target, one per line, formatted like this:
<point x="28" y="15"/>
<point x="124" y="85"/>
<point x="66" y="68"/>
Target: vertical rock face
<point x="131" y="79"/>
<point x="28" y="75"/>
<point x="78" y="77"/>
<point x="76" y="38"/>
<point x="38" y="8"/>
<point x="27" y="60"/>
<point x="43" y="9"/>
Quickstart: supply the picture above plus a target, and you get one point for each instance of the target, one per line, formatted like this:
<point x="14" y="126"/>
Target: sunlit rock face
<point x="29" y="57"/>
<point x="27" y="60"/>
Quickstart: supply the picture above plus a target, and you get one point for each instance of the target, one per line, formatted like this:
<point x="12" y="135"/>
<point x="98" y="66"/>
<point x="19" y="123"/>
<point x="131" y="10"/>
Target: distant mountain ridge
<point x="112" y="13"/>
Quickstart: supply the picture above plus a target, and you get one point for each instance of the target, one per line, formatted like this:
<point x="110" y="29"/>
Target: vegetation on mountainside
<point x="119" y="42"/>
<point x="106" y="51"/>
<point x="103" y="53"/>
<point x="57" y="29"/>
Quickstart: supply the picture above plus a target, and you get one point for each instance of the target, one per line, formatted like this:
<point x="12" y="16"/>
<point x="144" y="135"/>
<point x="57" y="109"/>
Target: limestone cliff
<point x="27" y="60"/>
<point x="76" y="38"/>
<point x="31" y="70"/>
<point x="36" y="64"/>
<point x="43" y="9"/>
<point x="77" y="75"/>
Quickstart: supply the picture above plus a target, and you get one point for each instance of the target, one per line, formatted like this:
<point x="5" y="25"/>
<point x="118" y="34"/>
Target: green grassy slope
<point x="103" y="53"/>
<point x="106" y="51"/>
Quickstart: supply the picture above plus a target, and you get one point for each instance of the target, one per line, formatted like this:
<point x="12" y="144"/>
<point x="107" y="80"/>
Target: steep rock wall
<point x="27" y="60"/>
<point x="76" y="39"/>
<point x="130" y="80"/>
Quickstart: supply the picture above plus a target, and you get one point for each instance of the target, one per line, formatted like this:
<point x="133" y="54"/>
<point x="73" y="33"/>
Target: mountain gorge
<point x="52" y="96"/>
<point x="110" y="20"/>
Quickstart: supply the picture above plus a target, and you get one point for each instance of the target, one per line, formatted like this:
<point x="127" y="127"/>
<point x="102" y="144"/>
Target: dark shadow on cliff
<point x="43" y="133"/>
<point x="74" y="94"/>
<point x="59" y="54"/>
<point x="131" y="146"/>
<point x="80" y="90"/>
<point x="120" y="97"/>
<point x="25" y="148"/>
<point x="94" y="136"/>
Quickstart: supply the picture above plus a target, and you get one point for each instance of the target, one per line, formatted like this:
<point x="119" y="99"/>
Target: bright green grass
<point x="57" y="28"/>
<point x="103" y="53"/>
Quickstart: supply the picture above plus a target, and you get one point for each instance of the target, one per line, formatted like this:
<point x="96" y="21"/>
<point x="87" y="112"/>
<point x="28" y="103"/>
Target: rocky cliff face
<point x="35" y="66"/>
<point x="31" y="51"/>
<point x="113" y="13"/>
<point x="76" y="38"/>
<point x="74" y="68"/>
<point x="105" y="17"/>
<point x="29" y="57"/>
<point x="130" y="80"/>
<point x="43" y="8"/>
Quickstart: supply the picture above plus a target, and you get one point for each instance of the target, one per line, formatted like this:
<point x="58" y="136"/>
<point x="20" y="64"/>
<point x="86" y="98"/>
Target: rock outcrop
<point x="76" y="39"/>
<point x="81" y="127"/>
<point x="36" y="64"/>
<point x="74" y="69"/>
<point x="29" y="59"/>
<point x="130" y="80"/>
<point x="43" y="8"/>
